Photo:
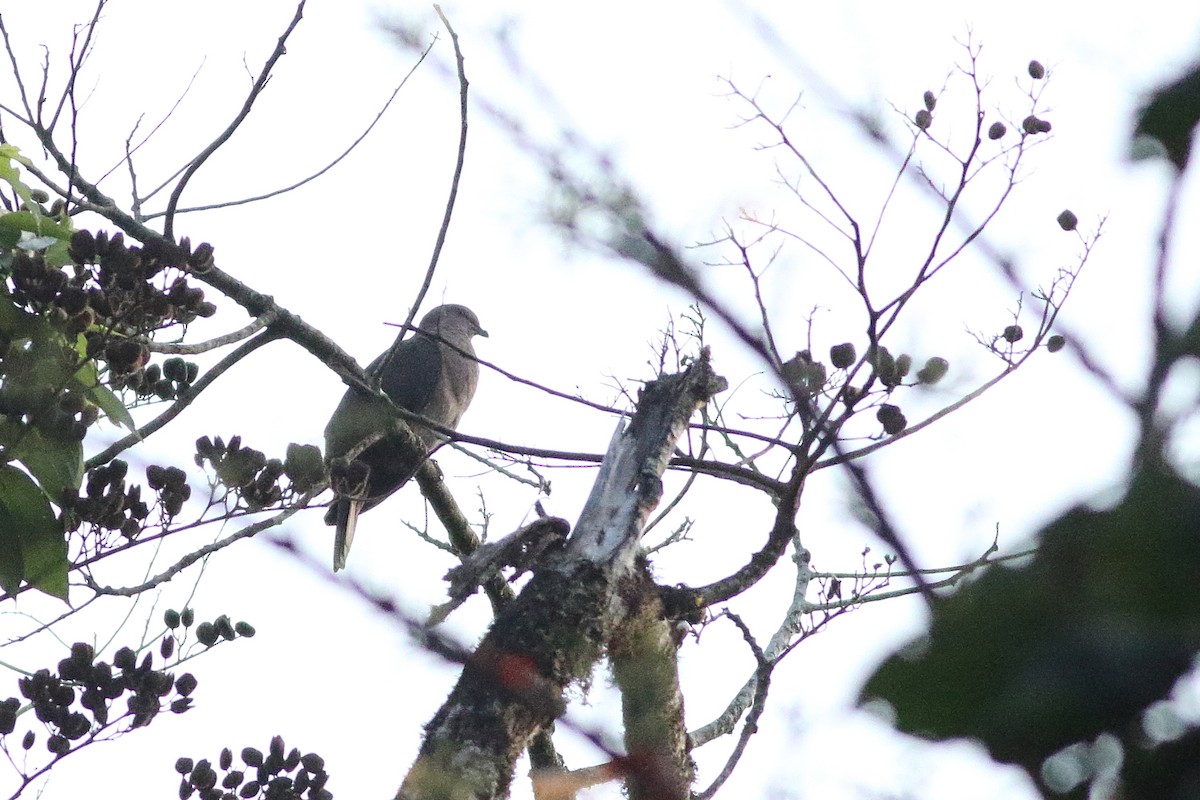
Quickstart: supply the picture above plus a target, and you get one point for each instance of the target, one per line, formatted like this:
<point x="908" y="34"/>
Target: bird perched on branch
<point x="433" y="373"/>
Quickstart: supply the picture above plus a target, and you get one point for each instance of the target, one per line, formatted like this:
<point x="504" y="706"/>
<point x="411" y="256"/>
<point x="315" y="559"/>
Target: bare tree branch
<point x="259" y="84"/>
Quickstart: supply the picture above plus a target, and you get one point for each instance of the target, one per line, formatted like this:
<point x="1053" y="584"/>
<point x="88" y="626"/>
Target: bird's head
<point x="452" y="322"/>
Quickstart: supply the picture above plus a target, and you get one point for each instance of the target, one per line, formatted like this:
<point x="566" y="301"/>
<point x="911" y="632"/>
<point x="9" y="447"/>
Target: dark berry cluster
<point x="242" y="469"/>
<point x="114" y="295"/>
<point x="108" y="503"/>
<point x="59" y="699"/>
<point x="806" y="376"/>
<point x="138" y="289"/>
<point x="127" y="290"/>
<point x="207" y="633"/>
<point x="165" y="382"/>
<point x="304" y="466"/>
<point x="171" y="485"/>
<point x="254" y="477"/>
<point x="271" y="776"/>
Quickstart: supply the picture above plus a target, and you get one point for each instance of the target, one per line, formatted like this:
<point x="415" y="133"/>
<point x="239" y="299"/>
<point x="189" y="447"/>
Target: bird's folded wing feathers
<point x="412" y="375"/>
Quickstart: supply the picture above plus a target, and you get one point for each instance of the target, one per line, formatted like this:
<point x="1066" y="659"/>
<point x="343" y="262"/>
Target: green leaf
<point x="59" y="253"/>
<point x="1079" y="642"/>
<point x="1168" y="770"/>
<point x="89" y="380"/>
<point x="56" y="465"/>
<point x="10" y="173"/>
<point x="12" y="563"/>
<point x="111" y="405"/>
<point x="16" y="323"/>
<point x="14" y="222"/>
<point x="32" y="546"/>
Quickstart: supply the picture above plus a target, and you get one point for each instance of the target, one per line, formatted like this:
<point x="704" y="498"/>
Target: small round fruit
<point x="842" y="355"/>
<point x="934" y="370"/>
<point x="892" y="419"/>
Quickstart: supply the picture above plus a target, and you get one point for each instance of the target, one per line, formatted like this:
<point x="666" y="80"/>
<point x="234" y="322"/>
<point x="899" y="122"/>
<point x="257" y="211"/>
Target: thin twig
<point x="762" y="684"/>
<point x="276" y="192"/>
<point x="130" y="150"/>
<point x="258" y="324"/>
<point x="206" y="380"/>
<point x="259" y="84"/>
<point x="200" y="553"/>
<point x="463" y="86"/>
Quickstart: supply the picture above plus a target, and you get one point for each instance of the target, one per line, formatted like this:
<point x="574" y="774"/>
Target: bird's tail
<point x="347" y="519"/>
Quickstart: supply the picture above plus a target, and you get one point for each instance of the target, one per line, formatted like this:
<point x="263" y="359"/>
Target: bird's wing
<point x="412" y="376"/>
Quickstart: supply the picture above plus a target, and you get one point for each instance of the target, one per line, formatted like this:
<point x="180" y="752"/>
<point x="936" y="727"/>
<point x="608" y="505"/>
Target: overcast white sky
<point x="638" y="80"/>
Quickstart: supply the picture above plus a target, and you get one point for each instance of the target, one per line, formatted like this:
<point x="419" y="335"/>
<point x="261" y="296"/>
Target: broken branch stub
<point x="554" y="632"/>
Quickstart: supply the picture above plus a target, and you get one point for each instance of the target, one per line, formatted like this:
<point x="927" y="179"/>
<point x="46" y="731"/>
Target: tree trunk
<point x="587" y="597"/>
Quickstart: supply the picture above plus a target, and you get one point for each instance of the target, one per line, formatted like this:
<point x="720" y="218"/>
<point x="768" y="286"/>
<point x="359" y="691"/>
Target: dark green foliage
<point x="1170" y="117"/>
<point x="1029" y="660"/>
<point x="1170" y="771"/>
<point x="33" y="549"/>
<point x="75" y="319"/>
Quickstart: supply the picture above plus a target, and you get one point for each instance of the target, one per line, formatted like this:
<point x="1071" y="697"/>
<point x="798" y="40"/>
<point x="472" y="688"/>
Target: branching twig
<point x="454" y="181"/>
<point x="185" y="399"/>
<point x="174" y="348"/>
<point x="276" y="192"/>
<point x="762" y="684"/>
<point x="200" y="553"/>
<point x="259" y="84"/>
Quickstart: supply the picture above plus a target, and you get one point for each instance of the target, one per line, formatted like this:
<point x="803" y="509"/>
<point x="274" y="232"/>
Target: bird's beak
<point x="481" y="332"/>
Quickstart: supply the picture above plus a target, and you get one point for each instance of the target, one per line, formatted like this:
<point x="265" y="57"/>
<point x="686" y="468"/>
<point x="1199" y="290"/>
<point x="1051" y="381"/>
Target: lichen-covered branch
<point x="554" y="632"/>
